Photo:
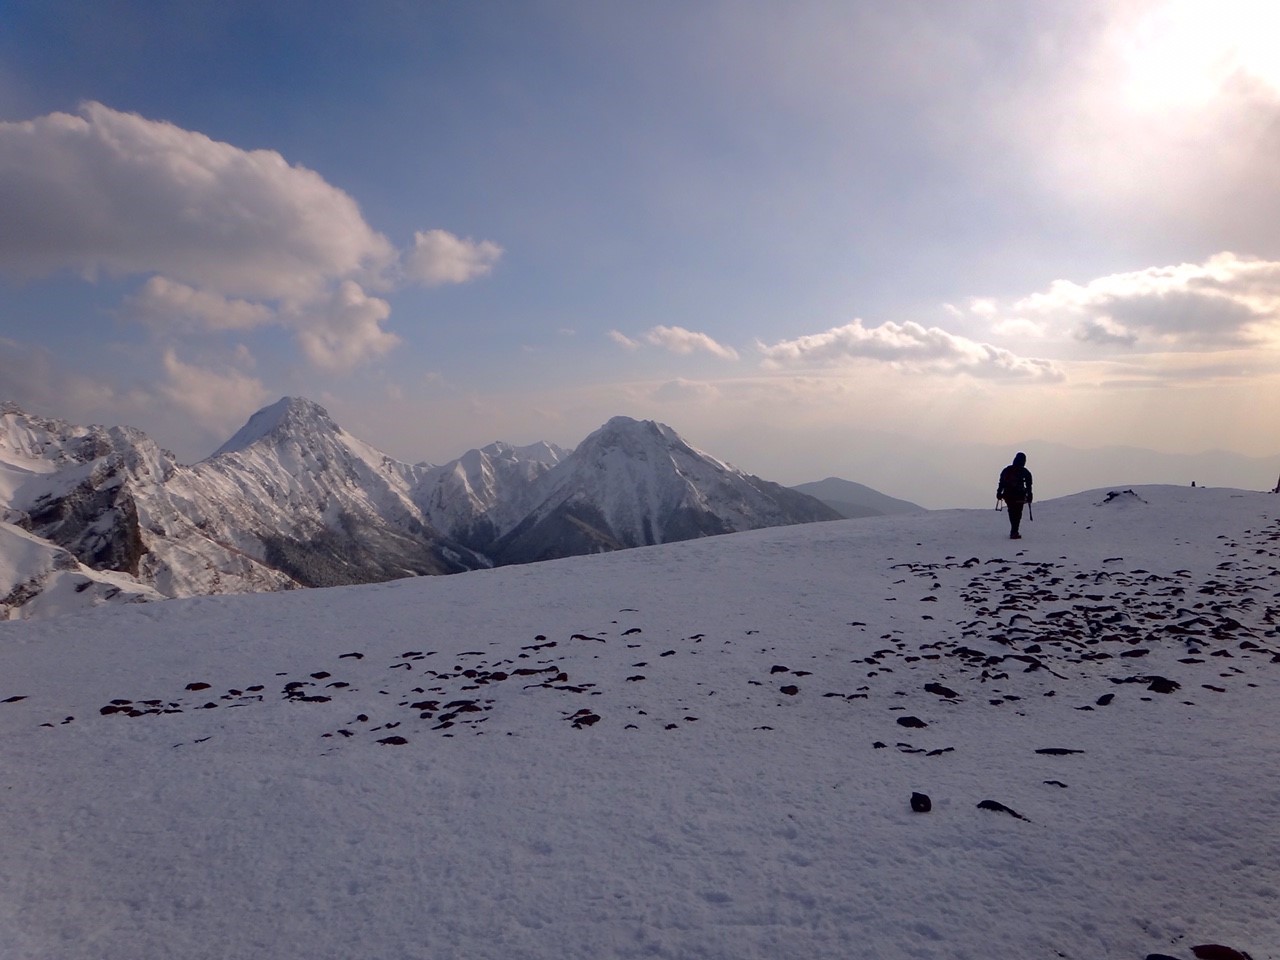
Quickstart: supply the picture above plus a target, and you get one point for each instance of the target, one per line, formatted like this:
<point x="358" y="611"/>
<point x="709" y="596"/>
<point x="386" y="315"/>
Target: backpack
<point x="1013" y="484"/>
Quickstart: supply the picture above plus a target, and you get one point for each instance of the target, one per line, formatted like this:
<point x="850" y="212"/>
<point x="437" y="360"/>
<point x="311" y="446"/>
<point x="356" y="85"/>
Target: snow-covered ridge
<point x="293" y="500"/>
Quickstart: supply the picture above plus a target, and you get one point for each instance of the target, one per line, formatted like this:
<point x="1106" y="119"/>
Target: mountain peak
<point x="286" y="415"/>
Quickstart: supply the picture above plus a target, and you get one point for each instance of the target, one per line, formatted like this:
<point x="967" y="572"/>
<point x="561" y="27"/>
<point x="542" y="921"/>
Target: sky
<point x="859" y="239"/>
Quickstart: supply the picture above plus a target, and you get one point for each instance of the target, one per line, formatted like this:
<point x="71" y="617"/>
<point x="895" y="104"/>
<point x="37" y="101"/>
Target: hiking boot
<point x="1015" y="536"/>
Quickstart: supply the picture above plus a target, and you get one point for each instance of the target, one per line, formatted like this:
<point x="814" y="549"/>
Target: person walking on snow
<point x="1015" y="490"/>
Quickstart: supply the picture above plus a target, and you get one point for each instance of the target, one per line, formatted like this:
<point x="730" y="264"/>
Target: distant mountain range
<point x="97" y="514"/>
<point x="853" y="500"/>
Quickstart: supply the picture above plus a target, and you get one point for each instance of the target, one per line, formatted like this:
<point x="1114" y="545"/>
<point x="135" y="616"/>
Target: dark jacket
<point x="1015" y="482"/>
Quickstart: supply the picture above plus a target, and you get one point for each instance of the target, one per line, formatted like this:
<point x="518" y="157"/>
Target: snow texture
<point x="710" y="749"/>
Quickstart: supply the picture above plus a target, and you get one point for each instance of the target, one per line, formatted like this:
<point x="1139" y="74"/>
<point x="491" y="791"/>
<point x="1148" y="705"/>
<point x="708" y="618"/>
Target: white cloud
<point x="346" y="330"/>
<point x="1227" y="301"/>
<point x="622" y="340"/>
<point x="230" y="239"/>
<point x="438" y="257"/>
<point x="113" y="192"/>
<point x="217" y="400"/>
<point x="682" y="341"/>
<point x="910" y="346"/>
<point x="164" y="303"/>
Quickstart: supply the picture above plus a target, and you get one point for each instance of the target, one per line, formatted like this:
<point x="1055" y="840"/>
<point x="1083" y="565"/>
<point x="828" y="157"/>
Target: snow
<point x="706" y="813"/>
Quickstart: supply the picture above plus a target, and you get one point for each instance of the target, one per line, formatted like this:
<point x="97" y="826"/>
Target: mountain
<point x="39" y="579"/>
<point x="485" y="492"/>
<point x="635" y="483"/>
<point x="698" y="750"/>
<point x="308" y="499"/>
<point x="854" y="500"/>
<point x="293" y="500"/>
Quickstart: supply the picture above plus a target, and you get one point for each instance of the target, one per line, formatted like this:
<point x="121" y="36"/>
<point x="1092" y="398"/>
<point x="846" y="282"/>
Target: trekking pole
<point x="1030" y="514"/>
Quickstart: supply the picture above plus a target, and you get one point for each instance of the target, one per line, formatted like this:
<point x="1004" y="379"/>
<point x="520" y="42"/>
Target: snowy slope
<point x="698" y="750"/>
<point x="635" y="483"/>
<point x="38" y="579"/>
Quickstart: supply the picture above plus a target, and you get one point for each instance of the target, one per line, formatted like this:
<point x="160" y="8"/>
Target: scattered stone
<point x="914" y="722"/>
<point x="392" y="741"/>
<point x="941" y="691"/>
<point x="790" y="690"/>
<point x="1216" y="951"/>
<point x="197" y="686"/>
<point x="1000" y="808"/>
<point x="1058" y="751"/>
<point x="921" y="803"/>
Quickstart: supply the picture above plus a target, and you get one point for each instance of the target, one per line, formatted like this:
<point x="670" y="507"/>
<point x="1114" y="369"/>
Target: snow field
<point x="769" y="826"/>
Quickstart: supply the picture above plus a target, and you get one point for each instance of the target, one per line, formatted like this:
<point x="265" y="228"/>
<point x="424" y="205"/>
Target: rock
<point x="999" y="807"/>
<point x="1216" y="951"/>
<point x="914" y="722"/>
<point x="393" y="741"/>
<point x="921" y="803"/>
<point x="790" y="690"/>
<point x="940" y="690"/>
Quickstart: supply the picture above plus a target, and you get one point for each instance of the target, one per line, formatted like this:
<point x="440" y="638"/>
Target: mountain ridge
<point x="292" y="500"/>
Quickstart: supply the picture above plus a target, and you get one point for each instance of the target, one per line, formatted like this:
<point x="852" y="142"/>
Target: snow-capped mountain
<point x="310" y="500"/>
<point x="293" y="500"/>
<point x="485" y="492"/>
<point x="635" y="483"/>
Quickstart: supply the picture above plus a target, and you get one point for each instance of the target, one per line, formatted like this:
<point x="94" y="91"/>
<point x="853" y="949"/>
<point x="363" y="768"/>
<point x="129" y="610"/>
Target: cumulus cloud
<point x="113" y="192"/>
<point x="438" y="257"/>
<point x="164" y="303"/>
<point x="1228" y="301"/>
<point x="910" y="346"/>
<point x="229" y="239"/>
<point x="346" y="330"/>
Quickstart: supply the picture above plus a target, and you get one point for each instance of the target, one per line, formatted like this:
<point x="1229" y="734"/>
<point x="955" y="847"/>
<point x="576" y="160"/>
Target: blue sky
<point x="815" y="238"/>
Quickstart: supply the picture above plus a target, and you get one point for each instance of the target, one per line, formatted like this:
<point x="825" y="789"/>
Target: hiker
<point x="1015" y="490"/>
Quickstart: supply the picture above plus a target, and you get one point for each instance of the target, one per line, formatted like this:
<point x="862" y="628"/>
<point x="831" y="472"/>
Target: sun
<point x="1189" y="53"/>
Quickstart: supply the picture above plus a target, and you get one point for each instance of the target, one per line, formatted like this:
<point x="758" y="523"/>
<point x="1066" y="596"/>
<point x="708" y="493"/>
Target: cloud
<point x="676" y="340"/>
<point x="346" y="330"/>
<point x="1227" y="301"/>
<point x="910" y="346"/>
<point x="165" y="303"/>
<point x="681" y="391"/>
<point x="113" y="192"/>
<point x="229" y="239"/>
<point x="217" y="400"/>
<point x="622" y="340"/>
<point x="438" y="257"/>
<point x="682" y="341"/>
<point x="32" y="379"/>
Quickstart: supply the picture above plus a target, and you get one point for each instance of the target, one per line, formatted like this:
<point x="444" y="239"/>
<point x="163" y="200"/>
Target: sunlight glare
<point x="1186" y="53"/>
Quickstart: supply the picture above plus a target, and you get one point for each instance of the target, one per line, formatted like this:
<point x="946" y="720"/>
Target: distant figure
<point x="1015" y="490"/>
